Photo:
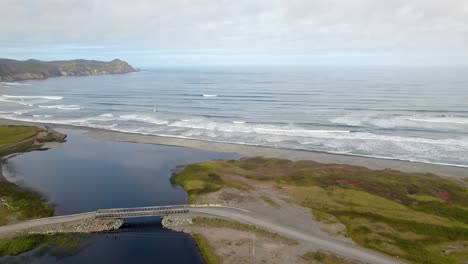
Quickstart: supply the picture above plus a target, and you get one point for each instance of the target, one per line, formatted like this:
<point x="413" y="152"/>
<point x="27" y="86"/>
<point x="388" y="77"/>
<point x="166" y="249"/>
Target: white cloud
<point x="249" y="26"/>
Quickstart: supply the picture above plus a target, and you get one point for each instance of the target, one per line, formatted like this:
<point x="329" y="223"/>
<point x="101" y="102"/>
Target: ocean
<point x="407" y="113"/>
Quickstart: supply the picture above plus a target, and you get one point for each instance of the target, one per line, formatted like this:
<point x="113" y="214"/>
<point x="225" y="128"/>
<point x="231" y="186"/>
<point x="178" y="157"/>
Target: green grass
<point x="12" y="134"/>
<point x="205" y="249"/>
<point x="17" y="245"/>
<point x="24" y="203"/>
<point x="196" y="180"/>
<point x="216" y="222"/>
<point x="325" y="258"/>
<point x="409" y="215"/>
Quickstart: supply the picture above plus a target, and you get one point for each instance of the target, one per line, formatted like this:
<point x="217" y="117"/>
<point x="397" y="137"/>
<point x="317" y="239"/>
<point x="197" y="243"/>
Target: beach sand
<point x="251" y="151"/>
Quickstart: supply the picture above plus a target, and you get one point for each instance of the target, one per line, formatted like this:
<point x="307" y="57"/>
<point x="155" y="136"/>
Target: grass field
<point x="13" y="134"/>
<point x="422" y="218"/>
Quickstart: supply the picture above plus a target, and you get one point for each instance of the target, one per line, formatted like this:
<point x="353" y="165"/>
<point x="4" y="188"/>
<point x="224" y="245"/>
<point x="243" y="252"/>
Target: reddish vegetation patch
<point x="445" y="195"/>
<point x="349" y="182"/>
<point x="370" y="189"/>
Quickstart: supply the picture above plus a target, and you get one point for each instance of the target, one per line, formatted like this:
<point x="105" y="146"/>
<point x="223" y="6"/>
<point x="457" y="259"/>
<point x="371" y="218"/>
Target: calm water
<point x="401" y="113"/>
<point x="84" y="175"/>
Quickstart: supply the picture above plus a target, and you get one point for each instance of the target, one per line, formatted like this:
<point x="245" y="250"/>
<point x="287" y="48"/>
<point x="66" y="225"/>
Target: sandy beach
<point x="251" y="151"/>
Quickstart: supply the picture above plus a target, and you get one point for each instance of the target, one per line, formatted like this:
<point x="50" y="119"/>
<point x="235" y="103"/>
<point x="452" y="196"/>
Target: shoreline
<point x="101" y="134"/>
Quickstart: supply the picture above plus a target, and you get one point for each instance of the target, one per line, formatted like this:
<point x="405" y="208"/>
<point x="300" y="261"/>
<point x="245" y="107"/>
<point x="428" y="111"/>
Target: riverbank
<point x="251" y="151"/>
<point x="17" y="203"/>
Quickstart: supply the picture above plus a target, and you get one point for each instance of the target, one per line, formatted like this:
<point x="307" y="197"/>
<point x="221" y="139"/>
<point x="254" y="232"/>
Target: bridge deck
<point x="146" y="211"/>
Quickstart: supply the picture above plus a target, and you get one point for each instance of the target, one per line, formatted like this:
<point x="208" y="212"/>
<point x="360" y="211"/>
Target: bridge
<point x="123" y="213"/>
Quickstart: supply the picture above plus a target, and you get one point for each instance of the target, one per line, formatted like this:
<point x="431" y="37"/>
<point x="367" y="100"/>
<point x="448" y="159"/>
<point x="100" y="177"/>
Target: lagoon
<point x="85" y="175"/>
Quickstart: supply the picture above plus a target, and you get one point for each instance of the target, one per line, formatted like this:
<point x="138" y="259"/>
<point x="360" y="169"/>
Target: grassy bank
<point x="205" y="249"/>
<point x="422" y="218"/>
<point x="21" y="244"/>
<point x="326" y="258"/>
<point x="18" y="203"/>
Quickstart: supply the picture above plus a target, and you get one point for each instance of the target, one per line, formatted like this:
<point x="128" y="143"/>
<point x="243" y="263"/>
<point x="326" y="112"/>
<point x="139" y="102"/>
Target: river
<point x="84" y="175"/>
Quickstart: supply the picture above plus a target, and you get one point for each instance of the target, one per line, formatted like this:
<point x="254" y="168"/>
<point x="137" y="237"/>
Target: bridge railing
<point x="148" y="211"/>
<point x="140" y="214"/>
<point x="155" y="208"/>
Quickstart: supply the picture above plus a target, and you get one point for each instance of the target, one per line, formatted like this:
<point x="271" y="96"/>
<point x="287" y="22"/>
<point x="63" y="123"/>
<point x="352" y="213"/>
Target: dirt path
<point x="318" y="241"/>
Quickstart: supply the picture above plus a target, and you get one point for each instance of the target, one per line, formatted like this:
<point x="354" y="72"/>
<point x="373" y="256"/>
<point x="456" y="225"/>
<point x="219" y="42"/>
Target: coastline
<point x="252" y="150"/>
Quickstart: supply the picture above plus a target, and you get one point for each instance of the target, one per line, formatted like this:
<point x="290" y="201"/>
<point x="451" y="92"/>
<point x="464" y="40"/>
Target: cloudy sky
<point x="236" y="32"/>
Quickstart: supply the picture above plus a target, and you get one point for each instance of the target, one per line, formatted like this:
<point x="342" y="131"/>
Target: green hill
<point x="13" y="70"/>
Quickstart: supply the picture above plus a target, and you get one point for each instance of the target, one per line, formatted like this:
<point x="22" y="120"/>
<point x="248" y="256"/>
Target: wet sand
<point x="251" y="151"/>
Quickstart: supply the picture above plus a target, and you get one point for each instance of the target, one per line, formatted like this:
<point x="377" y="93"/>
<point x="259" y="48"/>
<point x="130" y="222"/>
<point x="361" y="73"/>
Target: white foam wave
<point x="349" y="120"/>
<point x="108" y="115"/>
<point x="252" y="128"/>
<point x="16" y="84"/>
<point x="61" y="107"/>
<point x="143" y="118"/>
<point x="15" y="102"/>
<point x="43" y="116"/>
<point x="366" y="136"/>
<point x="452" y="120"/>
<point x="335" y="141"/>
<point x="383" y="121"/>
<point x="238" y="122"/>
<point x="33" y="97"/>
<point x="209" y="95"/>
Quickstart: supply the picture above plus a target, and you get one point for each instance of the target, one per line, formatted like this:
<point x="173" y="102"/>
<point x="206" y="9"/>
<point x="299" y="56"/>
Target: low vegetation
<point x="216" y="222"/>
<point x="205" y="249"/>
<point x="13" y="134"/>
<point x="18" y="203"/>
<point x="410" y="215"/>
<point x="326" y="258"/>
<point x="20" y="244"/>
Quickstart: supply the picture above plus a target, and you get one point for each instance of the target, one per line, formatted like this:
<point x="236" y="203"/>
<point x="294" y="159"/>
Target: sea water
<point x="408" y="113"/>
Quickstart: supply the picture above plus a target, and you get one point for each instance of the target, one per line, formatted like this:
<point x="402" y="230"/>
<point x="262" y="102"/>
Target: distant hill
<point x="13" y="70"/>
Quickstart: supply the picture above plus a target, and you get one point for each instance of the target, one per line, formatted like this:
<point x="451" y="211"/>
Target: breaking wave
<point x="61" y="107"/>
<point x="33" y="97"/>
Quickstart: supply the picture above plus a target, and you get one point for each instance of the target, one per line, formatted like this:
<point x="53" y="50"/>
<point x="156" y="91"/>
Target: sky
<point x="241" y="32"/>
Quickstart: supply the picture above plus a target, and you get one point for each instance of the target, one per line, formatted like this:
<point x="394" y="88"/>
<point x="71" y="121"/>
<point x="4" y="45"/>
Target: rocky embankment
<point x="83" y="226"/>
<point x="13" y="70"/>
<point x="176" y="223"/>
